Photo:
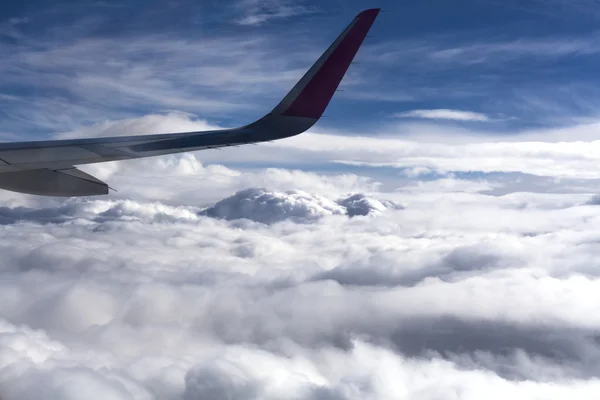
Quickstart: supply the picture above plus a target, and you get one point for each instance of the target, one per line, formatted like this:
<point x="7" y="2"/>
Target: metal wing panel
<point x="63" y="154"/>
<point x="46" y="182"/>
<point x="66" y="153"/>
<point x="47" y="155"/>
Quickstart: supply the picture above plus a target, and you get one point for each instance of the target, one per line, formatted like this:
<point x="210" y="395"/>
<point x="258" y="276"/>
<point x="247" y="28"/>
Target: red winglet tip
<point x="315" y="96"/>
<point x="373" y="11"/>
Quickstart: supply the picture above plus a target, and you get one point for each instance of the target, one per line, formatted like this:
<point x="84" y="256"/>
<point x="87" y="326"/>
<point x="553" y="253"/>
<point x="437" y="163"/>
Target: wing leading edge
<point x="47" y="167"/>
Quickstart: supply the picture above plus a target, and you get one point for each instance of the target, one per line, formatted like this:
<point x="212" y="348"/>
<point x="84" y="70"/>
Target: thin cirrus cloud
<point x="560" y="9"/>
<point x="457" y="50"/>
<point x="77" y="78"/>
<point x="155" y="79"/>
<point x="508" y="51"/>
<point x="258" y="12"/>
<point x="445" y="114"/>
<point x="498" y="71"/>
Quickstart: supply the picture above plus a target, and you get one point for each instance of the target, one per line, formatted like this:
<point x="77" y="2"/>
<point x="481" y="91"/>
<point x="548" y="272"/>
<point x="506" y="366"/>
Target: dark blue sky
<point x="493" y="66"/>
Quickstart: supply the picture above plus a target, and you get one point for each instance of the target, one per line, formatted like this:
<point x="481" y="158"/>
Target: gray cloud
<point x="594" y="200"/>
<point x="459" y="263"/>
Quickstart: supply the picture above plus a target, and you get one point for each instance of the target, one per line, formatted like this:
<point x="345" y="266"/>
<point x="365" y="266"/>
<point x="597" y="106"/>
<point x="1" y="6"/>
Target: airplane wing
<point x="48" y="167"/>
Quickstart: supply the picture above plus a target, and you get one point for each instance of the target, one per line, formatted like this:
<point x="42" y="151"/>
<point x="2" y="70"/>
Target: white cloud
<point x="183" y="179"/>
<point x="450" y="185"/>
<point x="409" y="147"/>
<point x="457" y="292"/>
<point x="257" y="12"/>
<point x="454" y="115"/>
<point x="359" y="204"/>
<point x="266" y="206"/>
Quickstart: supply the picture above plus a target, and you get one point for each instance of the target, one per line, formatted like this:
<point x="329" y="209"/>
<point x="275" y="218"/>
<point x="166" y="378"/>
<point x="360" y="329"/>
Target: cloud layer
<point x="290" y="293"/>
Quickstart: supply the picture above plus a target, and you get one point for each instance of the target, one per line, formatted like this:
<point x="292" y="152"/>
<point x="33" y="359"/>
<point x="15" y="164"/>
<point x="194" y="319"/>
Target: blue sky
<point x="507" y="65"/>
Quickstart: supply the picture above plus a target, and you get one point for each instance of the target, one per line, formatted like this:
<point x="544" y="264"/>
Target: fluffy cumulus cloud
<point x="266" y="206"/>
<point x="200" y="281"/>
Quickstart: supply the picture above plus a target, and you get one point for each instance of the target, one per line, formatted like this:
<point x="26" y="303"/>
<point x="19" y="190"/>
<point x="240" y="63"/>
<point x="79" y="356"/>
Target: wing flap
<point x="47" y="182"/>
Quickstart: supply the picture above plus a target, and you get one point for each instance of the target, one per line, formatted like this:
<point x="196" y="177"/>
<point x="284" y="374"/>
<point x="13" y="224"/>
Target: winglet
<point x="312" y="94"/>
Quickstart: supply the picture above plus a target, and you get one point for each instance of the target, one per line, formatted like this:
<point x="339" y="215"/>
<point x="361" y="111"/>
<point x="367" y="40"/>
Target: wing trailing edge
<point x="47" y="182"/>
